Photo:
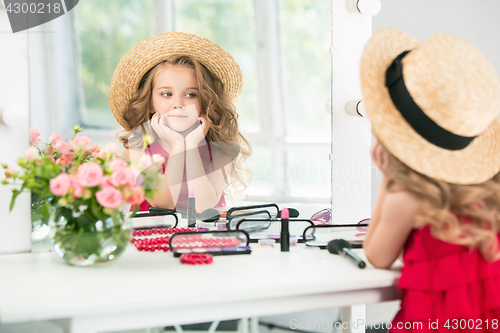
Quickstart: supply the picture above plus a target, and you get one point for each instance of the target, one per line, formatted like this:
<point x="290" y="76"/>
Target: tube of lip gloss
<point x="285" y="233"/>
<point x="191" y="210"/>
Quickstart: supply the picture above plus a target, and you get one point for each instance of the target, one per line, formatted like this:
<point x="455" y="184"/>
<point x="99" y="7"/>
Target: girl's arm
<point x="388" y="232"/>
<point x="392" y="219"/>
<point x="208" y="186"/>
<point x="377" y="210"/>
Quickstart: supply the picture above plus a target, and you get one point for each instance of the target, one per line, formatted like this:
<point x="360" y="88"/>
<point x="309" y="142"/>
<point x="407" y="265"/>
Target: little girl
<point x="179" y="88"/>
<point x="434" y="111"/>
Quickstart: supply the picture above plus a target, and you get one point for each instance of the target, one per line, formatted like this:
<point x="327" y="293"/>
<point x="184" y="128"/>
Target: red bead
<point x="161" y="231"/>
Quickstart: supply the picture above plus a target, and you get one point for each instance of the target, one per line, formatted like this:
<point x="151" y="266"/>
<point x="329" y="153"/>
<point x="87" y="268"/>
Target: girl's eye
<point x="166" y="94"/>
<point x="191" y="95"/>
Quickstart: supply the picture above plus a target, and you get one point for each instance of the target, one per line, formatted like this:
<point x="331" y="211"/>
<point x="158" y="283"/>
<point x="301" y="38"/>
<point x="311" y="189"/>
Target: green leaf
<point x="5" y="166"/>
<point x="15" y="193"/>
<point x="88" y="242"/>
<point x="136" y="208"/>
<point x="46" y="209"/>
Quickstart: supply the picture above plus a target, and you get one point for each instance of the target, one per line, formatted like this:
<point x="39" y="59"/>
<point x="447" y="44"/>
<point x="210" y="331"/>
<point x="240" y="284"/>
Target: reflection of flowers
<point x="79" y="173"/>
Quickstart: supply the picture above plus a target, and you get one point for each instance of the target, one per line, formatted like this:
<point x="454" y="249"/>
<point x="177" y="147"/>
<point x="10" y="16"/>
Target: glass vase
<point x="81" y="241"/>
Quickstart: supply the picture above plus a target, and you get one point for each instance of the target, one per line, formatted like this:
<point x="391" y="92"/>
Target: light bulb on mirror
<point x="2" y="4"/>
<point x="328" y="105"/>
<point x="365" y="7"/>
<point x="14" y="115"/>
<point x="327" y="6"/>
<point x="356" y="108"/>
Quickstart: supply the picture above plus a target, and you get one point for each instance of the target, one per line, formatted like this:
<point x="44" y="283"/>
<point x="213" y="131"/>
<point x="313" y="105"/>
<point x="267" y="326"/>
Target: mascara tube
<point x="285" y="233"/>
<point x="191" y="209"/>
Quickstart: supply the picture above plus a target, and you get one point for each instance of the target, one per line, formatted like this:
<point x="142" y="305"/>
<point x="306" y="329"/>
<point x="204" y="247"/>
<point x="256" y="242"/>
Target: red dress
<point x="446" y="288"/>
<point x="206" y="158"/>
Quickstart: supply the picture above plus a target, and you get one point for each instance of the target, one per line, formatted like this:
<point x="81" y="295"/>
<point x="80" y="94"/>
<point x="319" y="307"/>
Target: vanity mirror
<point x="281" y="46"/>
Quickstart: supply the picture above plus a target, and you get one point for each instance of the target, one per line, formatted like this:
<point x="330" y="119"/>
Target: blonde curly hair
<point x="466" y="215"/>
<point x="215" y="104"/>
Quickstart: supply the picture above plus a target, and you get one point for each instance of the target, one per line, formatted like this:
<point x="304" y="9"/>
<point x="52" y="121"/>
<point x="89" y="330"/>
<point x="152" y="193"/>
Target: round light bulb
<point x="356" y="108"/>
<point x="14" y="114"/>
<point x="369" y="7"/>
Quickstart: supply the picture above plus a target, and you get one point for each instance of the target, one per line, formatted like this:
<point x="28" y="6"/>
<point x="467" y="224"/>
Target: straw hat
<point x="148" y="53"/>
<point x="447" y="127"/>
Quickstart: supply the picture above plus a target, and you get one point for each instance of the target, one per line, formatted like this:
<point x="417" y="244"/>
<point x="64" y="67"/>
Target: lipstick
<point x="191" y="209"/>
<point x="285" y="233"/>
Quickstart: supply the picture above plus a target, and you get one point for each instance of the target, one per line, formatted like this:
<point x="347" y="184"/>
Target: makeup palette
<point x="259" y="229"/>
<point x="264" y="212"/>
<point x="216" y="243"/>
<point x="169" y="220"/>
<point x="320" y="235"/>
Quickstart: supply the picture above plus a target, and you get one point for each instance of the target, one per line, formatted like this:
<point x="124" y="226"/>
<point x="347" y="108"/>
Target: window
<point x="281" y="46"/>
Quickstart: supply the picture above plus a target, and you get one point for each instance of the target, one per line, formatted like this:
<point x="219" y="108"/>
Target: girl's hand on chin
<point x="165" y="133"/>
<point x="198" y="134"/>
<point x="380" y="157"/>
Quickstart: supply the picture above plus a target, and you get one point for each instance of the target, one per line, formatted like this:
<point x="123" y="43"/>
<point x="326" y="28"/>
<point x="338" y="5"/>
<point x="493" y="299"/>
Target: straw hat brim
<point x="476" y="163"/>
<point x="148" y="53"/>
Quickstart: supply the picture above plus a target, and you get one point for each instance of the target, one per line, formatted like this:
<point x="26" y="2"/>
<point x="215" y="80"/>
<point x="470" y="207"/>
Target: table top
<point x="40" y="286"/>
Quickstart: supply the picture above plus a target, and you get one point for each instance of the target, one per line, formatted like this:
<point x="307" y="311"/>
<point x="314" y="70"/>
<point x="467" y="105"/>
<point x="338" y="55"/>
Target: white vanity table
<point x="144" y="289"/>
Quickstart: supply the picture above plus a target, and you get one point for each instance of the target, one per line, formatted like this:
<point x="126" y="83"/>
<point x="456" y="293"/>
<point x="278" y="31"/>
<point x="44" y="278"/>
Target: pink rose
<point x="60" y="146"/>
<point x="126" y="192"/>
<point x="31" y="153"/>
<point x="54" y="137"/>
<point x="10" y="172"/>
<point x="118" y="163"/>
<point x="122" y="176"/>
<point x="82" y="142"/>
<point x="48" y="151"/>
<point x="109" y="197"/>
<point x="62" y="161"/>
<point x="111" y="147"/>
<point x="157" y="158"/>
<point x="105" y="182"/>
<point x="34" y="136"/>
<point x="52" y="158"/>
<point x="76" y="186"/>
<point x="145" y="161"/>
<point x="137" y="196"/>
<point x="90" y="174"/>
<point x="59" y="185"/>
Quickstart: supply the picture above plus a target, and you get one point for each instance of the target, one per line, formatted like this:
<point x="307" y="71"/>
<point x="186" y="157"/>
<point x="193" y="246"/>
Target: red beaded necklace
<point x="196" y="258"/>
<point x="157" y="243"/>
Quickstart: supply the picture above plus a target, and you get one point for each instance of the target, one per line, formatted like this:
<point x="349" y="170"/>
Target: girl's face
<point x="176" y="96"/>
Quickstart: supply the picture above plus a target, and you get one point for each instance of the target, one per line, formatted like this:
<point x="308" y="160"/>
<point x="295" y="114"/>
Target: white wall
<point x="15" y="227"/>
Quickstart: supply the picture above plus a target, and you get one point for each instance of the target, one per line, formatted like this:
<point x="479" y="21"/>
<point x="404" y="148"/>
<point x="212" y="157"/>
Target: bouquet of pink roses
<point x="82" y="186"/>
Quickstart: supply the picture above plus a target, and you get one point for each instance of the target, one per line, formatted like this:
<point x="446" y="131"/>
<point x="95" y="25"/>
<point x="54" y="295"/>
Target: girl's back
<point x="448" y="285"/>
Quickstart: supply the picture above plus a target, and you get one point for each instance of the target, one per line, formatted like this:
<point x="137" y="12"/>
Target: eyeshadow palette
<point x="215" y="251"/>
<point x="216" y="243"/>
<point x="320" y="235"/>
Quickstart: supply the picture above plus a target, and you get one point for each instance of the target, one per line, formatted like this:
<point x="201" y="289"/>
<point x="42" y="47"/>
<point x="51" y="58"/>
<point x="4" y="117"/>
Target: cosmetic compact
<point x="320" y="235"/>
<point x="147" y="220"/>
<point x="264" y="212"/>
<point x="216" y="243"/>
<point x="259" y="229"/>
